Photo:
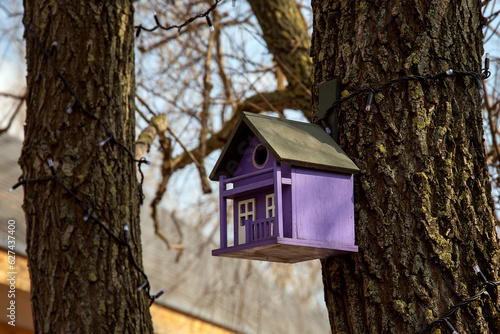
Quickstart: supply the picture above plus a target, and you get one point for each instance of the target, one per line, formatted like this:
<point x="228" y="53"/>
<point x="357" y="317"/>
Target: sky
<point x="12" y="66"/>
<point x="12" y="80"/>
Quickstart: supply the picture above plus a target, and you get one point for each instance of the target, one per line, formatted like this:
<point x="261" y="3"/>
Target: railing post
<point x="236" y="228"/>
<point x="248" y="231"/>
<point x="223" y="212"/>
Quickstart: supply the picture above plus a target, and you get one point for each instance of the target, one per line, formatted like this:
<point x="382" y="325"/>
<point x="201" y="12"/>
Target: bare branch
<point x="9" y="13"/>
<point x="145" y="105"/>
<point x="179" y="247"/>
<point x="158" y="125"/>
<point x="13" y="96"/>
<point x="147" y="136"/>
<point x="207" y="88"/>
<point x="256" y="104"/>
<point x="226" y="82"/>
<point x="16" y="110"/>
<point x="289" y="44"/>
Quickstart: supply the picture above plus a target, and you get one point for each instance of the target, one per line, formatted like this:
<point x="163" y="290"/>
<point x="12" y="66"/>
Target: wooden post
<point x="223" y="212"/>
<point x="278" y="198"/>
<point x="236" y="223"/>
<point x="329" y="92"/>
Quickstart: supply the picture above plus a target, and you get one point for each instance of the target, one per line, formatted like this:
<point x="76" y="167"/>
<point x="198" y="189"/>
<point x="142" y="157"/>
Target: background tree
<point x="192" y="86"/>
<point x="491" y="105"/>
<point x="424" y="212"/>
<point x="74" y="264"/>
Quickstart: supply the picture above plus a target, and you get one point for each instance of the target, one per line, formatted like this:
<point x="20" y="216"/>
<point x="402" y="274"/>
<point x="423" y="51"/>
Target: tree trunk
<point x="81" y="278"/>
<point x="285" y="32"/>
<point x="424" y="213"/>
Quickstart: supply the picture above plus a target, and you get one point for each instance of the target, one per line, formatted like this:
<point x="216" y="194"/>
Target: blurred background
<point x="192" y="85"/>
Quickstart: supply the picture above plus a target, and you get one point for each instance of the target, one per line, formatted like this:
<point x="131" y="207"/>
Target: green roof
<point x="291" y="142"/>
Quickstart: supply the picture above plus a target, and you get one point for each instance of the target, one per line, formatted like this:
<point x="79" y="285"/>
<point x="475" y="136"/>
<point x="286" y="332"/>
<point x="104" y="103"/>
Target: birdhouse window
<point x="270" y="206"/>
<point x="247" y="210"/>
<point x="260" y="156"/>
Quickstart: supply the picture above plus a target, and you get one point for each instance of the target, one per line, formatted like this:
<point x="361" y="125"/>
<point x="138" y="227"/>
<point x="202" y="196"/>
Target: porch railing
<point x="259" y="229"/>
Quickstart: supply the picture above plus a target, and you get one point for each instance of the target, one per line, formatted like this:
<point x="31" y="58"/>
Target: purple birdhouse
<point x="290" y="189"/>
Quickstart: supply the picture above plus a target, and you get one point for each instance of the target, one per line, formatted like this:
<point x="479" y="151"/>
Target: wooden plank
<point x="295" y="193"/>
<point x="286" y="250"/>
<point x="248" y="175"/>
<point x="300" y="144"/>
<point x="243" y="247"/>
<point x="222" y="213"/>
<point x="236" y="225"/>
<point x="246" y="189"/>
<point x="278" y="200"/>
<point x="324" y="206"/>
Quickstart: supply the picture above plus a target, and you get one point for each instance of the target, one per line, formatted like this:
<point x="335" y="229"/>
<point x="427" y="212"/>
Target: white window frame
<point x="270" y="208"/>
<point x="247" y="213"/>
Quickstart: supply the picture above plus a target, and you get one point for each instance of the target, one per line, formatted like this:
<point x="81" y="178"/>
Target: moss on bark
<point x="424" y="213"/>
<point x="81" y="280"/>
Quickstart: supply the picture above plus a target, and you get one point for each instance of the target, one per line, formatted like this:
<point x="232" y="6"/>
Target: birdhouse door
<point x="246" y="214"/>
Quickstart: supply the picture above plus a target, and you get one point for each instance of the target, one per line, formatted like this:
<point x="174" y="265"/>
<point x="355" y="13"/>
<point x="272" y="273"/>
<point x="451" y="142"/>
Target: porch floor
<point x="286" y="250"/>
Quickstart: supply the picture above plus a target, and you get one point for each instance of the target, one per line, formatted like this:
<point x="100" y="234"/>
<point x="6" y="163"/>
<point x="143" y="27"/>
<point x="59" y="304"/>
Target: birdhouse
<point x="290" y="187"/>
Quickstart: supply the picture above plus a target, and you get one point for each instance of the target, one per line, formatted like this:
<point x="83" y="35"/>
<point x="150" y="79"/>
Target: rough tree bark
<point x="424" y="213"/>
<point x="81" y="279"/>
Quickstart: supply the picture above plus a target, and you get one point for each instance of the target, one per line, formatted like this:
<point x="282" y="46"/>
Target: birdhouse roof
<point x="291" y="142"/>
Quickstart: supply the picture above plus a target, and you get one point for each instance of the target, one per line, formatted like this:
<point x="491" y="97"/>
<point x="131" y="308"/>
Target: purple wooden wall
<point x="323" y="206"/>
<point x="246" y="164"/>
<point x="316" y="206"/>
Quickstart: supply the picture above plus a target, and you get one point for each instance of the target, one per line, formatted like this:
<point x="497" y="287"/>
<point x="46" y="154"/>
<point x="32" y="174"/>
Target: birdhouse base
<point x="286" y="250"/>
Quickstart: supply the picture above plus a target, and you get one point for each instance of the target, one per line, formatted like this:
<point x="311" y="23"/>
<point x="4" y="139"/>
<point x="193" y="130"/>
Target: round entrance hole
<point x="260" y="156"/>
